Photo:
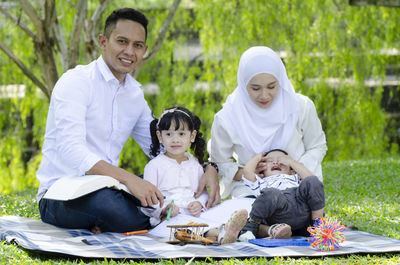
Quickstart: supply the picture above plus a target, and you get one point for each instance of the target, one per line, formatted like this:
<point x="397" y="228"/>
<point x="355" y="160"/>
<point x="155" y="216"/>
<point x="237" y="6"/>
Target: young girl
<point x="176" y="173"/>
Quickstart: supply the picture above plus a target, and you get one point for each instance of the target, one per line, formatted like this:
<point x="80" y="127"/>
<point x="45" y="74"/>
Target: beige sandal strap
<point x="271" y="229"/>
<point x="269" y="233"/>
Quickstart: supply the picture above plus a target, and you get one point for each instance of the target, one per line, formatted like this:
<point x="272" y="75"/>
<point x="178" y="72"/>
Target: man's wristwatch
<point x="214" y="165"/>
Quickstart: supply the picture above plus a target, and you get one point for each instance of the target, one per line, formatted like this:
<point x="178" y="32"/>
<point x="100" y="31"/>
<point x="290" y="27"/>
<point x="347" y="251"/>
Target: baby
<point x="288" y="197"/>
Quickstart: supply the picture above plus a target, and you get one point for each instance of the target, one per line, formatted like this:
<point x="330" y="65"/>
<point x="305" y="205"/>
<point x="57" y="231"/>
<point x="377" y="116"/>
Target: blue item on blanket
<point x="35" y="235"/>
<point x="302" y="242"/>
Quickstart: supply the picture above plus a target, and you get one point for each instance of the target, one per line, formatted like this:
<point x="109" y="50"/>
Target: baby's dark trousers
<point x="292" y="206"/>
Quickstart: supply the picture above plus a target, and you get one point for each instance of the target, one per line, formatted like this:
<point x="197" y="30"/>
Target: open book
<point x="72" y="187"/>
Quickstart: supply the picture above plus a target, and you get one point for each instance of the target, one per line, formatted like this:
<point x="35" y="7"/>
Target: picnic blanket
<point x="35" y="235"/>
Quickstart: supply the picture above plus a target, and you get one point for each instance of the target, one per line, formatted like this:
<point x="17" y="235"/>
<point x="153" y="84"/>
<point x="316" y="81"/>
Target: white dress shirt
<point x="307" y="145"/>
<point x="91" y="116"/>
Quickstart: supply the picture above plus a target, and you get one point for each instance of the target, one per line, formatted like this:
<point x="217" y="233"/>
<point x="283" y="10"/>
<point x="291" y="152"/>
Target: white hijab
<point x="261" y="129"/>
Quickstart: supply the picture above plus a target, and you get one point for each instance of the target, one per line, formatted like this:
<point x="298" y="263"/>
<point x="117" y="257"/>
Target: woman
<point x="264" y="113"/>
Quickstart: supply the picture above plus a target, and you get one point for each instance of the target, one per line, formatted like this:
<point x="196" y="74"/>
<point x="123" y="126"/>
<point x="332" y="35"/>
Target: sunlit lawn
<point x="364" y="194"/>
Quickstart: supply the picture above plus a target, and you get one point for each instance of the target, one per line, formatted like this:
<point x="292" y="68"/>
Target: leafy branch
<point x="50" y="43"/>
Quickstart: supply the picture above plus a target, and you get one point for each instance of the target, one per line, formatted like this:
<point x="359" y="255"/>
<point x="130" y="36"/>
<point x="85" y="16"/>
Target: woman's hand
<point x="210" y="180"/>
<point x="194" y="208"/>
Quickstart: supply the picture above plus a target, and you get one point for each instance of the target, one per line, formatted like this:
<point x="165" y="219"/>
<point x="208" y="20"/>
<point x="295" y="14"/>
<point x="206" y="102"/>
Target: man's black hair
<point x="124" y="13"/>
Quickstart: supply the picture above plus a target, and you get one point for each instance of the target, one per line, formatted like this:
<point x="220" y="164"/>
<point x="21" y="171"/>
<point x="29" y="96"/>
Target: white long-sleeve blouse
<point x="307" y="145"/>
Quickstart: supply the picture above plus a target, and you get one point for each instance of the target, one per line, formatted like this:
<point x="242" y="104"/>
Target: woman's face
<point x="262" y="89"/>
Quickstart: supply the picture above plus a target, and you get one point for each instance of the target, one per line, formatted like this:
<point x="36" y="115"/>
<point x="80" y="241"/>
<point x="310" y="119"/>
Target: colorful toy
<point x="326" y="234"/>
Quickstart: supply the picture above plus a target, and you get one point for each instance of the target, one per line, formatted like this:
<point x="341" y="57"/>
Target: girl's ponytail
<point x="199" y="144"/>
<point x="155" y="146"/>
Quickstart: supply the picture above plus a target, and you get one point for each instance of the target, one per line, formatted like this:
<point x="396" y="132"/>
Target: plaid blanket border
<point x="37" y="236"/>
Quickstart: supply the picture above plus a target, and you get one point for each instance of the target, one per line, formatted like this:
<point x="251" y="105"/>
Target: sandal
<point x="233" y="227"/>
<point x="279" y="231"/>
<point x="250" y="226"/>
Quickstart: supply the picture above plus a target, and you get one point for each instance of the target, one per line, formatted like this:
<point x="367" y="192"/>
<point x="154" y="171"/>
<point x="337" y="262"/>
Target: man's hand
<point x="210" y="180"/>
<point x="147" y="193"/>
<point x="194" y="208"/>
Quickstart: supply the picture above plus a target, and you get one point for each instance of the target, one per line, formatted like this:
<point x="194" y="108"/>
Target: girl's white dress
<point x="178" y="182"/>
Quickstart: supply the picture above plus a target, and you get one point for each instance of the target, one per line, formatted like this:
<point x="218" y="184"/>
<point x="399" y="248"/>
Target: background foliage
<point x="330" y="49"/>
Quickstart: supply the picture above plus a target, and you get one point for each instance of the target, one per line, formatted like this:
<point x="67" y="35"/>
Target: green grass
<point x="363" y="193"/>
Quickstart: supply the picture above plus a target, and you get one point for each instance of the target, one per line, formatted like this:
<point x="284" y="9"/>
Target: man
<point x="93" y="110"/>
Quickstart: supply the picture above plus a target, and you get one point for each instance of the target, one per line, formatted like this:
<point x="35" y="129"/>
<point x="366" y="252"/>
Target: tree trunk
<point x="50" y="44"/>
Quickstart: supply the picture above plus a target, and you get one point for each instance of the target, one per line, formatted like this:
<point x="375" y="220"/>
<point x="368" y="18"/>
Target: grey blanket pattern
<point x="35" y="235"/>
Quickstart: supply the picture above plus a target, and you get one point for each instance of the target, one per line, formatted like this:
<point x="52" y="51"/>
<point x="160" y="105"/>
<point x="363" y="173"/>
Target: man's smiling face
<point x="125" y="47"/>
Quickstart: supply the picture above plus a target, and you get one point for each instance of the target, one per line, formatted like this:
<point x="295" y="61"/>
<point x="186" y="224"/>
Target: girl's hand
<point x="194" y="208"/>
<point x="174" y="212"/>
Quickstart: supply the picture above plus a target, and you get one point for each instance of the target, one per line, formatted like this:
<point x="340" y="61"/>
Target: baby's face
<point x="274" y="166"/>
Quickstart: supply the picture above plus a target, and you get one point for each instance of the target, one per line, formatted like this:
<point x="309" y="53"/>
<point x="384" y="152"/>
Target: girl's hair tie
<point x="171" y="111"/>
